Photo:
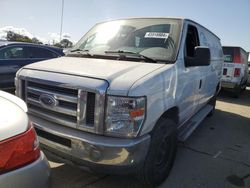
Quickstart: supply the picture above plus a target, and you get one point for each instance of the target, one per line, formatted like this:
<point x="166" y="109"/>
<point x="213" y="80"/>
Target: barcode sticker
<point x="158" y="35"/>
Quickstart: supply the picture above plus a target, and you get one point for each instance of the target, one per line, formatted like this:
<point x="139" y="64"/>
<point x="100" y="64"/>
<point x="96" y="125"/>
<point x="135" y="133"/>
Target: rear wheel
<point x="161" y="154"/>
<point x="244" y="86"/>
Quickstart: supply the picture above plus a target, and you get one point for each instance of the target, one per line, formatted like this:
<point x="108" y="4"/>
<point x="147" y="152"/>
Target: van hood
<point x="121" y="75"/>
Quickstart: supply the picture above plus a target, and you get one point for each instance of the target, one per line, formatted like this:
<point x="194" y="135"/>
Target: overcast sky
<point x="229" y="19"/>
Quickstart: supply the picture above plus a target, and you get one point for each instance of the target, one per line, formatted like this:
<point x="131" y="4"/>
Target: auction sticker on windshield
<point x="158" y="35"/>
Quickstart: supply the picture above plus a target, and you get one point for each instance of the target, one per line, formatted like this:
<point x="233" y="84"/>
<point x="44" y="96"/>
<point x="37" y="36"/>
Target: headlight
<point x="124" y="115"/>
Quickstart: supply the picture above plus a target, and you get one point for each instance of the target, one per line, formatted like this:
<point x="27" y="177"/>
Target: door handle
<point x="200" y="84"/>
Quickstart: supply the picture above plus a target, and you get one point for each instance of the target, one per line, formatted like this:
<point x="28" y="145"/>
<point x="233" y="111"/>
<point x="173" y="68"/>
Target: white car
<point x="235" y="69"/>
<point x="125" y="93"/>
<point x="22" y="163"/>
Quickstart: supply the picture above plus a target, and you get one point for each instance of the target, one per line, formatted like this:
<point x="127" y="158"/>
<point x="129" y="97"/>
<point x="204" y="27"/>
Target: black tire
<point x="244" y="86"/>
<point x="213" y="103"/>
<point x="161" y="154"/>
<point x="236" y="92"/>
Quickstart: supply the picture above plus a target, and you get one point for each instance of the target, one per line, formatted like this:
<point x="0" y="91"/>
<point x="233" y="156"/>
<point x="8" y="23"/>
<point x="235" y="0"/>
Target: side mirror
<point x="201" y="57"/>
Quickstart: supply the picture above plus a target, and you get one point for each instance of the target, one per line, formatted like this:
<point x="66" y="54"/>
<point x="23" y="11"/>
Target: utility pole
<point x="61" y="20"/>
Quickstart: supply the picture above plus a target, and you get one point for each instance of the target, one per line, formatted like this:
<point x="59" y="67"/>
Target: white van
<point x="124" y="94"/>
<point x="235" y="69"/>
<point x="248" y="80"/>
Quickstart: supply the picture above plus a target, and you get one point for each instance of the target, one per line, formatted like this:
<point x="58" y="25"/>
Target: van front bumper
<point x="90" y="151"/>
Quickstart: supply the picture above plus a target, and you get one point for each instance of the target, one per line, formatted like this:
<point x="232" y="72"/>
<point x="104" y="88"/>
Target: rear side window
<point x="15" y="52"/>
<point x="35" y="52"/>
<point x="229" y="54"/>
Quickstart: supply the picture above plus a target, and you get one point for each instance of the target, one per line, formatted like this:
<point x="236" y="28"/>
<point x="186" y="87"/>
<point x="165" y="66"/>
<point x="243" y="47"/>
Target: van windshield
<point x="153" y="38"/>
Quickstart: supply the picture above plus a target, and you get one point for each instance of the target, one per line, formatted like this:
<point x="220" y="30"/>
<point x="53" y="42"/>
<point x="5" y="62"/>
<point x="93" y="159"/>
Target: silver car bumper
<point x="228" y="85"/>
<point x="35" y="175"/>
<point x="96" y="152"/>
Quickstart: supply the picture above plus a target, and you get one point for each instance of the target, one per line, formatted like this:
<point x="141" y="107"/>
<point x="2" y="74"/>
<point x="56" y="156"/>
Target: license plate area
<point x="54" y="138"/>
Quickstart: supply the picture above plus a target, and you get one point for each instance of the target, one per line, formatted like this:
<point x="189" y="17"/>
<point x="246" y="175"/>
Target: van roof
<point x="234" y="47"/>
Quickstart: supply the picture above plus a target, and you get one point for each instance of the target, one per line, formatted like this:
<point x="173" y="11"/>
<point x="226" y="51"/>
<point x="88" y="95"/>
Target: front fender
<point x="160" y="89"/>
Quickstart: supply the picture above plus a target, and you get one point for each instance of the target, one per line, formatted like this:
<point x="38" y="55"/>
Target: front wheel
<point x="161" y="153"/>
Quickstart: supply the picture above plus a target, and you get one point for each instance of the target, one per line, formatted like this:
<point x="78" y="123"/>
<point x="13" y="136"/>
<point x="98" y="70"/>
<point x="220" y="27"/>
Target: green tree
<point x="12" y="36"/>
<point x="64" y="43"/>
<point x="36" y="41"/>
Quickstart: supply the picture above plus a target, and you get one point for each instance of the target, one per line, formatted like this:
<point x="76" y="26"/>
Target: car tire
<point x="161" y="154"/>
<point x="244" y="86"/>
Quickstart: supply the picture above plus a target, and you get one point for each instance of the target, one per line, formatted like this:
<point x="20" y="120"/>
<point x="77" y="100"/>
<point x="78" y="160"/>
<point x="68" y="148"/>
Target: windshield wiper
<point x="122" y="52"/>
<point x="80" y="52"/>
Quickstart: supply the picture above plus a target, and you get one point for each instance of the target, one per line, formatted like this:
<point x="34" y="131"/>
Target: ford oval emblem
<point x="48" y="100"/>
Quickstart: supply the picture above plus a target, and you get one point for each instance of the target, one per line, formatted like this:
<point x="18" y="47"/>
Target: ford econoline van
<point x="126" y="92"/>
<point x="235" y="69"/>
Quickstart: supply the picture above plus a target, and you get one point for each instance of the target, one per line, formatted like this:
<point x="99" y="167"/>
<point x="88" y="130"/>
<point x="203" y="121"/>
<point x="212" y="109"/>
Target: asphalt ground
<point x="217" y="155"/>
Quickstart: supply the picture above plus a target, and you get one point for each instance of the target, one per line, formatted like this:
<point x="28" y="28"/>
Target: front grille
<point x="91" y="108"/>
<point x="66" y="106"/>
<point x="23" y="93"/>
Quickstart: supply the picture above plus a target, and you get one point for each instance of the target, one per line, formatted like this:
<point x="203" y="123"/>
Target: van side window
<point x="192" y="40"/>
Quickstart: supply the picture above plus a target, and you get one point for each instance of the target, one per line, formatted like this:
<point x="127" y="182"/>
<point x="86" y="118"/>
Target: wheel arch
<point x="218" y="88"/>
<point x="171" y="113"/>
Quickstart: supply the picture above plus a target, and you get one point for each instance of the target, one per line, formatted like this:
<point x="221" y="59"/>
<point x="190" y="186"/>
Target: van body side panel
<point x="212" y="72"/>
<point x="189" y="78"/>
